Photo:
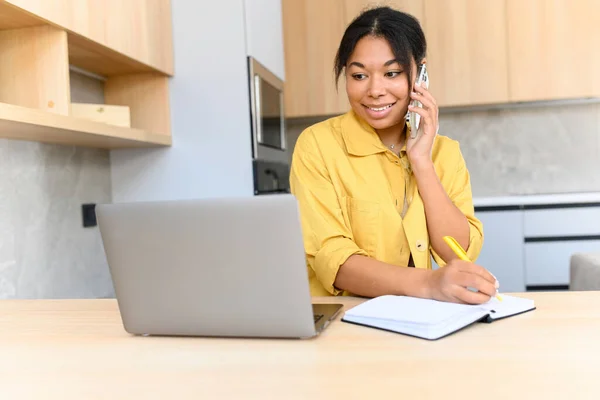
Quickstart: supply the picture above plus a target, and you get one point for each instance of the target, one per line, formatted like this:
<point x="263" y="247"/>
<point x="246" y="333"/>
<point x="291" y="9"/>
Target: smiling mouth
<point x="380" y="108"/>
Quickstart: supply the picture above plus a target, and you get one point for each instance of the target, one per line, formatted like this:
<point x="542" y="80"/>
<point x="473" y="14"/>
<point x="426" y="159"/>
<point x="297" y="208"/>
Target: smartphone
<point x="414" y="118"/>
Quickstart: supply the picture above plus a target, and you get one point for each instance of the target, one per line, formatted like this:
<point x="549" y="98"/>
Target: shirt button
<point x="421" y="245"/>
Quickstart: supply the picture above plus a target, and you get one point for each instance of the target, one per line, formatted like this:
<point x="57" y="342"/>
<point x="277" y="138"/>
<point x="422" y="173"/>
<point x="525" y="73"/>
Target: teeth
<point x="381" y="108"/>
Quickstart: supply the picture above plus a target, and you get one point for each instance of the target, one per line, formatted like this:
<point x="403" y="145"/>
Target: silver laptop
<point x="211" y="267"/>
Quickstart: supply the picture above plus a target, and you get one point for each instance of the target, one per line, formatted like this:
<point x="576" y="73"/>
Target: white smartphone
<point x="414" y="118"/>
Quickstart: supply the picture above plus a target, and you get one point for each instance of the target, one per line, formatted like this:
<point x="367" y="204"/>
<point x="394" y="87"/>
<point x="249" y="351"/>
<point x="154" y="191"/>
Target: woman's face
<point x="377" y="86"/>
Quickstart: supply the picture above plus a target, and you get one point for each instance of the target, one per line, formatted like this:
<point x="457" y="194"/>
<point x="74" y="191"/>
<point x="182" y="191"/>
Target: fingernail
<point x="497" y="284"/>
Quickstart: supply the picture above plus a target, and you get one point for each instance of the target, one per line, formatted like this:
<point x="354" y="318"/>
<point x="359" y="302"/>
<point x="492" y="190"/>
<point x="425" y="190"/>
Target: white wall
<point x="211" y="154"/>
<point x="264" y="34"/>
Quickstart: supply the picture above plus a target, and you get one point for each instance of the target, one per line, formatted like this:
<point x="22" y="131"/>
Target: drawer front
<point x="562" y="222"/>
<point x="547" y="263"/>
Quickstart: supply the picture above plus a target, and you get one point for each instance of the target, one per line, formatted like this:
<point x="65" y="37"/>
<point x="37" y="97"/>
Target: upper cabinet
<point x="312" y="30"/>
<point x="554" y="49"/>
<point x="129" y="44"/>
<point x="467" y="58"/>
<point x="479" y="52"/>
<point x="140" y="29"/>
<point x="354" y="7"/>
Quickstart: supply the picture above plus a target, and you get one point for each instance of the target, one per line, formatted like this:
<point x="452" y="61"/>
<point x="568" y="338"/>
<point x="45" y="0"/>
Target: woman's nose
<point x="376" y="88"/>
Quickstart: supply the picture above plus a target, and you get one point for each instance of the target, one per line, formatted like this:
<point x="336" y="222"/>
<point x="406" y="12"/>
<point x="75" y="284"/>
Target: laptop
<point x="231" y="267"/>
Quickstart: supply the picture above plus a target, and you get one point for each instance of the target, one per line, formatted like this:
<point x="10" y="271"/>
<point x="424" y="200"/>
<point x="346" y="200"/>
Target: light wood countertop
<point x="77" y="349"/>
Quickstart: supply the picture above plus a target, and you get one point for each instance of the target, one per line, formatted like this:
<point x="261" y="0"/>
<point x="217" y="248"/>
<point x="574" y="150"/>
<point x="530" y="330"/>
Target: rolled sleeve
<point x="330" y="257"/>
<point x="328" y="240"/>
<point x="461" y="195"/>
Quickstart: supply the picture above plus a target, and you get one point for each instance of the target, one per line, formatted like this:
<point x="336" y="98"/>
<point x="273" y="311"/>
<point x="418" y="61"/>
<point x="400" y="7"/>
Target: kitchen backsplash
<point x="529" y="150"/>
<point x="45" y="252"/>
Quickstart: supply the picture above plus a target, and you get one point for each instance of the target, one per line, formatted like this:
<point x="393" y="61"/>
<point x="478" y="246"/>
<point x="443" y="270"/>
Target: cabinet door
<point x="553" y="49"/>
<point x="502" y="252"/>
<point x="312" y="31"/>
<point x="355" y="7"/>
<point x="548" y="263"/>
<point x="467" y="57"/>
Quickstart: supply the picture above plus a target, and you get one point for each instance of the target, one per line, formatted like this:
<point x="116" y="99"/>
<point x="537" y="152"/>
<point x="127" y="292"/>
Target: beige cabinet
<point x="312" y="32"/>
<point x="140" y="29"/>
<point x="554" y="49"/>
<point x="354" y="7"/>
<point x="479" y="52"/>
<point x="467" y="57"/>
<point x="130" y="44"/>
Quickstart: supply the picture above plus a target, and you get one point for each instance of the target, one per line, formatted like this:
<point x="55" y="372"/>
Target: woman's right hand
<point x="451" y="283"/>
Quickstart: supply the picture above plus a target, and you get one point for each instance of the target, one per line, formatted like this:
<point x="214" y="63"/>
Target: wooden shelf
<point x="42" y="38"/>
<point x="28" y="124"/>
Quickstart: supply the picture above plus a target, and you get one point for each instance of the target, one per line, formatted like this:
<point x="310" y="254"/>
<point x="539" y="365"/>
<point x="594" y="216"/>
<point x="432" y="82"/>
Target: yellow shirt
<point x="351" y="192"/>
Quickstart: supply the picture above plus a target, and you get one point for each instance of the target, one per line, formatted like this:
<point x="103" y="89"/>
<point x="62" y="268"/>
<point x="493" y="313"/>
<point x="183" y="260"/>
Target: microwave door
<point x="267" y="103"/>
<point x="269" y="109"/>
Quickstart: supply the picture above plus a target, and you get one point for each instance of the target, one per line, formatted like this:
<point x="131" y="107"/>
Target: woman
<point x="375" y="205"/>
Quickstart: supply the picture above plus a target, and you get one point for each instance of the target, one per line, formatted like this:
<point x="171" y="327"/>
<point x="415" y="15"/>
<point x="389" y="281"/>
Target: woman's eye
<point x="392" y="74"/>
<point x="359" y="77"/>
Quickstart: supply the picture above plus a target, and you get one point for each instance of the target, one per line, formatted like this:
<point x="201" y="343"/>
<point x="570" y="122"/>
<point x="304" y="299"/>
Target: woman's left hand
<point x="419" y="149"/>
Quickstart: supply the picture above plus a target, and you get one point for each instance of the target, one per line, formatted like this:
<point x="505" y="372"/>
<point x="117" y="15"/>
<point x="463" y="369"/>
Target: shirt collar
<point x="360" y="138"/>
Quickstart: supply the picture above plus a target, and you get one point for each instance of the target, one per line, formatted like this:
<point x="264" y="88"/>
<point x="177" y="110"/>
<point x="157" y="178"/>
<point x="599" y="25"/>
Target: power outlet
<point x="88" y="213"/>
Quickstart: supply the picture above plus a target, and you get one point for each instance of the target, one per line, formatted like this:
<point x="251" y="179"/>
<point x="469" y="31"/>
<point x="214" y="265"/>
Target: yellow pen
<point x="461" y="253"/>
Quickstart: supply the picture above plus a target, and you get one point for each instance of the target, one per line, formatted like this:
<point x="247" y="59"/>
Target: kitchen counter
<point x="537" y="200"/>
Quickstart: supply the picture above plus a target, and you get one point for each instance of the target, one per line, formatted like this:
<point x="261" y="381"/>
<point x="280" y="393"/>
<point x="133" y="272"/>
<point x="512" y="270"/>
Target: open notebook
<point x="431" y="319"/>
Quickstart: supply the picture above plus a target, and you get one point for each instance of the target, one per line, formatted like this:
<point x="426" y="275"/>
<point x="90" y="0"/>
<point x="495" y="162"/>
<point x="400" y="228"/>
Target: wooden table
<point x="77" y="349"/>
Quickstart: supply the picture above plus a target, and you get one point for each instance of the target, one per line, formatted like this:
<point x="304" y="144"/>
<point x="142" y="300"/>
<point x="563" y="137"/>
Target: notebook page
<point x="409" y="310"/>
<point x="509" y="305"/>
<point x="426" y="331"/>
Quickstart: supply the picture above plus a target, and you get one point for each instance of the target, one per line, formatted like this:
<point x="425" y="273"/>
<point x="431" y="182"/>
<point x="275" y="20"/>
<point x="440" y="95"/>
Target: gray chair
<point x="585" y="271"/>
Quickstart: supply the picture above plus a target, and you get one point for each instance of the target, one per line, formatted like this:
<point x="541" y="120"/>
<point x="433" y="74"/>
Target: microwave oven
<point x="266" y="109"/>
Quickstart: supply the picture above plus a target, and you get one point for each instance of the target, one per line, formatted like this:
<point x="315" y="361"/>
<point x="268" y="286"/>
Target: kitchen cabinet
<point x="37" y="75"/>
<point x="529" y="240"/>
<point x="352" y="8"/>
<point x="312" y="32"/>
<point x="548" y="263"/>
<point x="528" y="246"/>
<point x="467" y="55"/>
<point x="467" y="51"/>
<point x="562" y="222"/>
<point x="139" y="29"/>
<point x="479" y="52"/>
<point x="552" y="236"/>
<point x="43" y="38"/>
<point x="553" y="49"/>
